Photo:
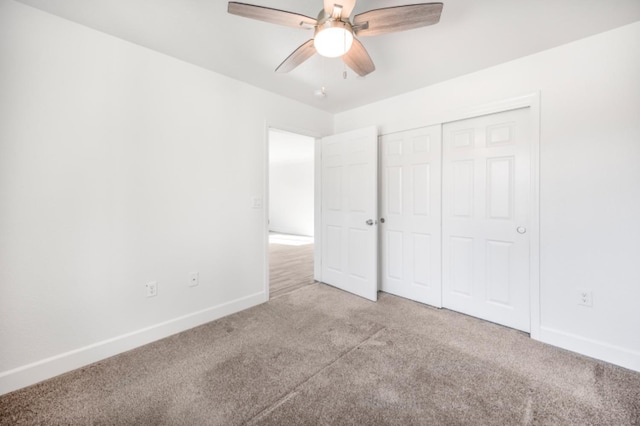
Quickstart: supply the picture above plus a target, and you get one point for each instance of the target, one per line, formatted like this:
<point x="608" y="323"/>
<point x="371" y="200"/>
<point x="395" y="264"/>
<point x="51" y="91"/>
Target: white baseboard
<point x="595" y="349"/>
<point x="50" y="367"/>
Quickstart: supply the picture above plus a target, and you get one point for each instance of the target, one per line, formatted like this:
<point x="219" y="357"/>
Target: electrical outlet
<point x="152" y="288"/>
<point x="194" y="279"/>
<point x="585" y="297"/>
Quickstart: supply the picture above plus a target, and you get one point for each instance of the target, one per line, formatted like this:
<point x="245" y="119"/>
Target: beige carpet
<point x="321" y="356"/>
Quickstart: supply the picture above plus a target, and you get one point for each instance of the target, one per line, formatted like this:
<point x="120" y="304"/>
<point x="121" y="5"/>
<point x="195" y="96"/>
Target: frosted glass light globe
<point x="333" y="41"/>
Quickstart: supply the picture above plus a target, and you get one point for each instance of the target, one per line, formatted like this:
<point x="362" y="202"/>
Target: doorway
<point x="291" y="194"/>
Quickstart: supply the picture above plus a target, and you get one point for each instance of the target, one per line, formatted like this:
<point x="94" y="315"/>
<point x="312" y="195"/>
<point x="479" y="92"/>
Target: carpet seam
<point x="294" y="391"/>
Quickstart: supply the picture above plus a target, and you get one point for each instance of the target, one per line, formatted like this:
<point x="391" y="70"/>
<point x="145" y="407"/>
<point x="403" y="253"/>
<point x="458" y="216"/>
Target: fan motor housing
<point x="333" y="23"/>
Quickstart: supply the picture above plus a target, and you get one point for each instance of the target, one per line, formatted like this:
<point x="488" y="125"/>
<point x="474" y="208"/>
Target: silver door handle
<point x="369" y="222"/>
<point x="521" y="229"/>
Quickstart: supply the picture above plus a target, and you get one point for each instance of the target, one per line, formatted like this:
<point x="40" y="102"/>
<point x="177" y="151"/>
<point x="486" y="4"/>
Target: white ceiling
<point x="471" y="35"/>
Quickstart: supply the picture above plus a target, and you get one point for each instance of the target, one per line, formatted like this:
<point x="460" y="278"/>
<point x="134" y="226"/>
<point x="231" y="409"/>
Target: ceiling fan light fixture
<point x="335" y="32"/>
<point x="333" y="38"/>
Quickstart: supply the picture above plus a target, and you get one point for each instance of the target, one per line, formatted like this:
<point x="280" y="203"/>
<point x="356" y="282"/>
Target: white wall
<point x="119" y="165"/>
<point x="589" y="178"/>
<point x="291" y="183"/>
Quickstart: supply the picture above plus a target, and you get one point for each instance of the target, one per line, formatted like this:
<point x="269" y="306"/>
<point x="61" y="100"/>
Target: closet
<point x="455" y="204"/>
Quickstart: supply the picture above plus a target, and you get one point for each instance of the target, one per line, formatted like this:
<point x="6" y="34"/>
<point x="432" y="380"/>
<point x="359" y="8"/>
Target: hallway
<point x="290" y="263"/>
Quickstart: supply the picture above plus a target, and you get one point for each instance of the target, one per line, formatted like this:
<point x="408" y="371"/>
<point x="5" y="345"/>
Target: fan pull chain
<point x="344" y="66"/>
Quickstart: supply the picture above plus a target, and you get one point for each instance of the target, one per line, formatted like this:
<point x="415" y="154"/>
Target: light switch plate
<point x="257" y="203"/>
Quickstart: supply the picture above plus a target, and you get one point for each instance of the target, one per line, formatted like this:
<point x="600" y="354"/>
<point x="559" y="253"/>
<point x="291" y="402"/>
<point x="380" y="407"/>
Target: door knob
<point x="521" y="229"/>
<point x="382" y="220"/>
<point x="369" y="222"/>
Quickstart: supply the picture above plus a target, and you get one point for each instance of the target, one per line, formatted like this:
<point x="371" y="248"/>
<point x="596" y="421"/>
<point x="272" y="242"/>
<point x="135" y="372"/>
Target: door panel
<point x="498" y="277"/>
<point x="421" y="182"/>
<point x="421" y="250"/>
<point x="349" y="199"/>
<point x="410" y="204"/>
<point x="486" y="196"/>
<point x="462" y="188"/>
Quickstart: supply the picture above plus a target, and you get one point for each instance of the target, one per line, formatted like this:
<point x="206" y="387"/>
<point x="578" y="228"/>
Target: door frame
<point x="268" y="126"/>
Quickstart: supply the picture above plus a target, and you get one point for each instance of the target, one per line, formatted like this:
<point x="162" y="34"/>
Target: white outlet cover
<point x="585" y="297"/>
<point x="152" y="288"/>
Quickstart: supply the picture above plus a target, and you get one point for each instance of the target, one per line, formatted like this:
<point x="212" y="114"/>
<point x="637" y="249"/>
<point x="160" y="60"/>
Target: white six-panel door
<point x="349" y="198"/>
<point x="410" y="165"/>
<point x="485" y="217"/>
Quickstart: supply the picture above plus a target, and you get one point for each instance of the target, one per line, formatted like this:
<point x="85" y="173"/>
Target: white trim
<point x="317" y="211"/>
<point x="379" y="212"/>
<point x="291" y="129"/>
<point x="463" y="113"/>
<point x="441" y="132"/>
<point x="50" y="367"/>
<point x="593" y="348"/>
<point x="265" y="217"/>
<point x="534" y="211"/>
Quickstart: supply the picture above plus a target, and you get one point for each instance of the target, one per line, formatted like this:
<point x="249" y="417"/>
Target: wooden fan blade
<point x="298" y="56"/>
<point x="274" y="16"/>
<point x="399" y="18"/>
<point x="358" y="59"/>
<point x="347" y="7"/>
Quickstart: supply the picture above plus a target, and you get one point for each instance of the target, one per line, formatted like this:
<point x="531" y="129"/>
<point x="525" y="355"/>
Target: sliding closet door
<point x="410" y="208"/>
<point x="485" y="219"/>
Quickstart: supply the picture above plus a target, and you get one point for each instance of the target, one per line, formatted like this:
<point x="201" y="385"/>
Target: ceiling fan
<point x="335" y="33"/>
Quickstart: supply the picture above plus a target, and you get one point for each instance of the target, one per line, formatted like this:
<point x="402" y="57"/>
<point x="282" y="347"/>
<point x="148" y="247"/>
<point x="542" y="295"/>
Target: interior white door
<point x="485" y="219"/>
<point x="349" y="198"/>
<point x="410" y="164"/>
